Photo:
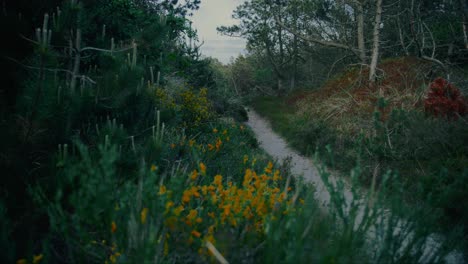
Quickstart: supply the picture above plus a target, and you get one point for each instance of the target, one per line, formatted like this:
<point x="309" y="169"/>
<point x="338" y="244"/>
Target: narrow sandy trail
<point x="277" y="147"/>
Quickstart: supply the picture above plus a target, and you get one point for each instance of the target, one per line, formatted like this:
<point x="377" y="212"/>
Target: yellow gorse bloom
<point x="169" y="204"/>
<point x="192" y="215"/>
<point x="22" y="261"/>
<point x="194" y="175"/>
<point x="218" y="144"/>
<point x="222" y="203"/>
<point x="162" y="190"/>
<point x="143" y="215"/>
<point x="276" y="175"/>
<point x="37" y="258"/>
<point x="195" y="233"/>
<point x="269" y="168"/>
<point x="202" y="168"/>
<point x="178" y="210"/>
<point x="113" y="227"/>
<point x="153" y="168"/>
<point x="246" y="158"/>
<point x="217" y="180"/>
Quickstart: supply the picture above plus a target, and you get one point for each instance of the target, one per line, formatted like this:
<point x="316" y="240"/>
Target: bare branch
<point x="314" y="40"/>
<point x="105" y="50"/>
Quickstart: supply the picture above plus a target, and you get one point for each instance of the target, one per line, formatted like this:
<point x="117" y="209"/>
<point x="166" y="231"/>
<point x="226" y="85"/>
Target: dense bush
<point x="429" y="154"/>
<point x="445" y="100"/>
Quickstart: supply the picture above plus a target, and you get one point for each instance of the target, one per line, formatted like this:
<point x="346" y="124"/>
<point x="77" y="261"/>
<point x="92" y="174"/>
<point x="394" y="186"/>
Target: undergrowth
<point x="386" y="132"/>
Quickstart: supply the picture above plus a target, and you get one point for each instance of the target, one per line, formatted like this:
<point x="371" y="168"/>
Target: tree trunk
<point x="280" y="84"/>
<point x="295" y="49"/>
<point x="464" y="8"/>
<point x="281" y="50"/>
<point x="360" y="32"/>
<point x="376" y="42"/>
<point x="402" y="38"/>
<point x="76" y="64"/>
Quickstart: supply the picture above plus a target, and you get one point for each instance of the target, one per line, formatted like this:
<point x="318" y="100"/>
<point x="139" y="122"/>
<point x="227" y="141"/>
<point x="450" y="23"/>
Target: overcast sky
<point x="214" y="13"/>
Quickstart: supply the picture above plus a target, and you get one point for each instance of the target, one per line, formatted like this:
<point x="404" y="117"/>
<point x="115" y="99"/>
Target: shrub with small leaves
<point x="445" y="100"/>
<point x="196" y="108"/>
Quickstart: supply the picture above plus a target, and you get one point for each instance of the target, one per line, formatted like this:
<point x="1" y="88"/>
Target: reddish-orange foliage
<point x="403" y="74"/>
<point x="445" y="100"/>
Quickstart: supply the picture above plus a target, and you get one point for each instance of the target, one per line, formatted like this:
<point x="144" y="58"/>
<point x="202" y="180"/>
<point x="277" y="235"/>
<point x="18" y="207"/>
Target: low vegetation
<point x="389" y="128"/>
<point x="122" y="144"/>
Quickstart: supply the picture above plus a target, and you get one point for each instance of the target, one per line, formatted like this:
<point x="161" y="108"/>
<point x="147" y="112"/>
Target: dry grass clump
<point x="348" y="101"/>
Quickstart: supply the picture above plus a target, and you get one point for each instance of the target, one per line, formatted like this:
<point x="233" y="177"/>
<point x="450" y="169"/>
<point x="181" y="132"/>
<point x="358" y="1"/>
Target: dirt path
<point x="277" y="147"/>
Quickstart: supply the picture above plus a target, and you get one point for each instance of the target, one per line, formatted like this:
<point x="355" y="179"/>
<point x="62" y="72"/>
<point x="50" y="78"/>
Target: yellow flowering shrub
<point x="203" y="209"/>
<point x="196" y="106"/>
<point x="165" y="100"/>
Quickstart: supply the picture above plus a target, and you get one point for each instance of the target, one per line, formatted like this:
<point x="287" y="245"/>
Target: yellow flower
<point x="113" y="227"/>
<point x="37" y="258"/>
<point x="233" y="222"/>
<point x="218" y="144"/>
<point x="241" y="127"/>
<point x="199" y="220"/>
<point x="269" y="168"/>
<point x="211" y="214"/>
<point x="143" y="215"/>
<point x="195" y="233"/>
<point x="204" y="189"/>
<point x="194" y="191"/>
<point x="192" y="215"/>
<point x="225" y="132"/>
<point x="210" y="147"/>
<point x="169" y="205"/>
<point x="173" y="146"/>
<point x="191" y="142"/>
<point x="153" y="167"/>
<point x="113" y="258"/>
<point x="202" y="168"/>
<point x="246" y="158"/>
<point x="247" y="213"/>
<point x="178" y="210"/>
<point x="214" y="199"/>
<point x="227" y="210"/>
<point x="162" y="190"/>
<point x="186" y="196"/>
<point x="21" y="261"/>
<point x="194" y="175"/>
<point x="276" y="176"/>
<point x="215" y="130"/>
<point x="218" y="179"/>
